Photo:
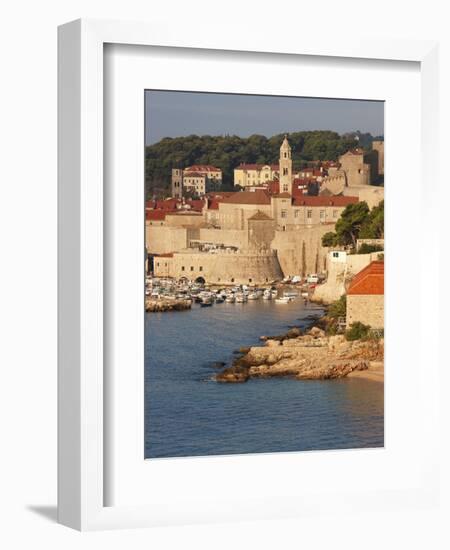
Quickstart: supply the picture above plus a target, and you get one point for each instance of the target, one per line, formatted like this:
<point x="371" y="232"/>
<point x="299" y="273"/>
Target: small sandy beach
<point x="375" y="372"/>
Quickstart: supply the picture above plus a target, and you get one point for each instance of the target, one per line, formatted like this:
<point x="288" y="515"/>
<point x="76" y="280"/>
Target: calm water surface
<point x="188" y="414"/>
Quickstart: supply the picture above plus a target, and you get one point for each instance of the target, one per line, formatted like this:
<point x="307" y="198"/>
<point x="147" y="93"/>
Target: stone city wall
<point x="221" y="268"/>
<point x="300" y="251"/>
<point x="339" y="275"/>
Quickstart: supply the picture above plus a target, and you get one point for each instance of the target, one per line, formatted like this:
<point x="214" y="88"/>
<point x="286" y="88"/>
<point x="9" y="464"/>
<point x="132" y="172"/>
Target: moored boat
<point x="283" y="300"/>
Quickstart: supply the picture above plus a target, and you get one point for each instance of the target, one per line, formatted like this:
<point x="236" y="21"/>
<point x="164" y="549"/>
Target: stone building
<point x="253" y="175"/>
<point x="194" y="179"/>
<point x="378" y="145"/>
<point x="360" y="167"/>
<point x="365" y="296"/>
<point x="286" y="176"/>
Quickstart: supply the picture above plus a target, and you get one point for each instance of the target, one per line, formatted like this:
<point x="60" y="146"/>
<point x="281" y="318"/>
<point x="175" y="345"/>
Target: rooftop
<point x="369" y="280"/>
<point x="248" y="197"/>
<point x="202" y="168"/>
<point x="321" y="200"/>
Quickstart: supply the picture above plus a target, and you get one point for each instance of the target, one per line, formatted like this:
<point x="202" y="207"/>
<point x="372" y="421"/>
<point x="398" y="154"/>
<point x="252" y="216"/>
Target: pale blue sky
<point x="173" y="114"/>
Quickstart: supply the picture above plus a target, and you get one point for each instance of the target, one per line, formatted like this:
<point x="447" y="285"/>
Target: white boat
<point x="230" y="299"/>
<point x="267" y="295"/>
<point x="252" y="296"/>
<point x="283" y="300"/>
<point x="274" y="293"/>
<point x="291" y="294"/>
<point x="241" y="298"/>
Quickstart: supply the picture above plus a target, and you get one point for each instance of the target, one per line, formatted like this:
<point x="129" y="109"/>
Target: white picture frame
<point x="82" y="484"/>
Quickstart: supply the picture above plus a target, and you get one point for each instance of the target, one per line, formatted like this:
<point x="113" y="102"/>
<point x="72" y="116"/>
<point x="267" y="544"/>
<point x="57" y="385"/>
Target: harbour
<point x="188" y="413"/>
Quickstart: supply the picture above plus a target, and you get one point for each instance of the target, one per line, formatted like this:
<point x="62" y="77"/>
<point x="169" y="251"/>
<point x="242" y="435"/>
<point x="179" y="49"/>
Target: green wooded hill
<point x="227" y="152"/>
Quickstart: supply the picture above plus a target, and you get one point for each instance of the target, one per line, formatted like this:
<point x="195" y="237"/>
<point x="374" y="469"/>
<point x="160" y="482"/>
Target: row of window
<point x="192" y="268"/>
<point x="309" y="214"/>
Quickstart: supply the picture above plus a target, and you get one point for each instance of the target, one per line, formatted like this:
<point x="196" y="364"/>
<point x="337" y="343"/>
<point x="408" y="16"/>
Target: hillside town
<point x="269" y="235"/>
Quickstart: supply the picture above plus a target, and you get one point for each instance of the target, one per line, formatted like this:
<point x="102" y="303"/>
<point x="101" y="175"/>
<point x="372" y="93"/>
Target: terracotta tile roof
<point x="369" y="280"/>
<point x="282" y="196"/>
<point x="166" y="204"/>
<point x="153" y="215"/>
<point x="248" y="197"/>
<point x="184" y="213"/>
<point x="321" y="200"/>
<point x="260" y="216"/>
<point x="195" y="204"/>
<point x="202" y="168"/>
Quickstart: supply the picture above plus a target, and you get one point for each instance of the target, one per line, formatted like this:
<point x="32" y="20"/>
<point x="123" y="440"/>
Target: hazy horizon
<point x="180" y="114"/>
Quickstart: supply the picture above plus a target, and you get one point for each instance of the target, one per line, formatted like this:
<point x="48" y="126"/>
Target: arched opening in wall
<point x="200" y="280"/>
<point x="232" y="279"/>
<point x="249" y="280"/>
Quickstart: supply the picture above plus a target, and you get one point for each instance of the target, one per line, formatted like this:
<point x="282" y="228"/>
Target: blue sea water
<point x="188" y="414"/>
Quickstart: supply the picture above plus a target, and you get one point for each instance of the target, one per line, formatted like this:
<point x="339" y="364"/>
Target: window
<point x="192" y="268"/>
<point x="285" y="155"/>
<point x="309" y="214"/>
<point x="182" y="268"/>
<point x="296" y="213"/>
<point x="335" y="254"/>
<point x="232" y="280"/>
<point x="157" y="264"/>
<point x="200" y="268"/>
<point x="249" y="280"/>
<point x="322" y="214"/>
<point x="335" y="213"/>
<point x="284" y="214"/>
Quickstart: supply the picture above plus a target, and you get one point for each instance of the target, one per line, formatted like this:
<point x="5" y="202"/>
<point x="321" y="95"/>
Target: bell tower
<point x="285" y="167"/>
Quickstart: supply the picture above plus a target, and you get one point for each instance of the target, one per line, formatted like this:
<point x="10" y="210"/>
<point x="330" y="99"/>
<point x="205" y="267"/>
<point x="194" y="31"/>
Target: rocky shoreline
<point x="305" y="356"/>
<point x="161" y="305"/>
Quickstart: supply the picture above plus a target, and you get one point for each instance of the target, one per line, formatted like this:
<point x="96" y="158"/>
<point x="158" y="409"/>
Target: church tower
<point x="285" y="167"/>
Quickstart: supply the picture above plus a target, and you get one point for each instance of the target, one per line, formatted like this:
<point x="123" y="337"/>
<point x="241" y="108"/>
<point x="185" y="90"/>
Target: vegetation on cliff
<point x="227" y="152"/>
<point x="357" y="221"/>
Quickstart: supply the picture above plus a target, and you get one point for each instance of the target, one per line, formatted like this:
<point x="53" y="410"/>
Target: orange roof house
<point x="365" y="296"/>
<point x="369" y="280"/>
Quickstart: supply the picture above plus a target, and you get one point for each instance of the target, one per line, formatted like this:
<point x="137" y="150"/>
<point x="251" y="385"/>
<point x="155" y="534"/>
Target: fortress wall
<point x="180" y="220"/>
<point x="223" y="268"/>
<point x="372" y="194"/>
<point x="300" y="251"/>
<point x="340" y="274"/>
<point x="230" y="237"/>
<point x="163" y="239"/>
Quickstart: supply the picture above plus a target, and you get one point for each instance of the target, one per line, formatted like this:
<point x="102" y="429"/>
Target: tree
<point x="227" y="152"/>
<point x="357" y="222"/>
<point x="329" y="239"/>
<point x="373" y="227"/>
<point x="349" y="224"/>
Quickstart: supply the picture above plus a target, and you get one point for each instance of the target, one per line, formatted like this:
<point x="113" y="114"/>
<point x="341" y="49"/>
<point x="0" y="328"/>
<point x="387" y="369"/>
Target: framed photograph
<point x="242" y="315"/>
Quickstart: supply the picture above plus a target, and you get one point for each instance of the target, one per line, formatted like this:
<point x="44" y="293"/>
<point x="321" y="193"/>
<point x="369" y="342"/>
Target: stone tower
<point x="177" y="183"/>
<point x="285" y="167"/>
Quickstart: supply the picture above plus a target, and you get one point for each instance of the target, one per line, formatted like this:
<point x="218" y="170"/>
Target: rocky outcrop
<point x="160" y="305"/>
<point x="313" y="356"/>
